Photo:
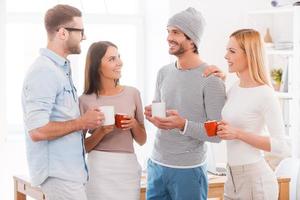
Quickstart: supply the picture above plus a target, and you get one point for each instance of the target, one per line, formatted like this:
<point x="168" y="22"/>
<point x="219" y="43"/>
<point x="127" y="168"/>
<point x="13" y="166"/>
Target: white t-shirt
<point x="255" y="110"/>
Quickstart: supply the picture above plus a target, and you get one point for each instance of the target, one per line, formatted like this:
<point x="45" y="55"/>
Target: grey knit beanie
<point x="191" y="22"/>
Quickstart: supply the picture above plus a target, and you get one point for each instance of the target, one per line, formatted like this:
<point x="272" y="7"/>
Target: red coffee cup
<point x="211" y="128"/>
<point x="118" y="119"/>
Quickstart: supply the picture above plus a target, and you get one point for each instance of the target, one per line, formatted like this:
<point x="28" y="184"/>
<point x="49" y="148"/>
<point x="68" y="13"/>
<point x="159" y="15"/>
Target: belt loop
<point x="232" y="178"/>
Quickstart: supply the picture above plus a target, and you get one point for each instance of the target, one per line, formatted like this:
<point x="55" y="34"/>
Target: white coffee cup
<point x="158" y="109"/>
<point x="109" y="115"/>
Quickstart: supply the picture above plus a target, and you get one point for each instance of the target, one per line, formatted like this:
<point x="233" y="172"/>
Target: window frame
<point x="136" y="20"/>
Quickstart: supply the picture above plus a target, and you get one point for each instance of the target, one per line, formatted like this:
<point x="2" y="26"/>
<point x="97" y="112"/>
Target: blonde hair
<point x="250" y="41"/>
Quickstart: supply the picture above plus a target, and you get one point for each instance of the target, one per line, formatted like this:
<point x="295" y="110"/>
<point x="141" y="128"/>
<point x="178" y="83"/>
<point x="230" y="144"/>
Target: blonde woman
<point x="250" y="107"/>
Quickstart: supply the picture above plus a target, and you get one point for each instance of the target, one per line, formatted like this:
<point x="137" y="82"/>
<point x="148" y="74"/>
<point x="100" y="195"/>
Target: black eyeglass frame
<point x="75" y="29"/>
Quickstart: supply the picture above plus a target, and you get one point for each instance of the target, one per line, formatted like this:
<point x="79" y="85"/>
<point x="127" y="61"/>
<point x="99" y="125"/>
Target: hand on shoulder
<point x="214" y="70"/>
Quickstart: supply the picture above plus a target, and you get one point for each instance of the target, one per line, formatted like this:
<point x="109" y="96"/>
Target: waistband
<point x="259" y="166"/>
<point x="178" y="167"/>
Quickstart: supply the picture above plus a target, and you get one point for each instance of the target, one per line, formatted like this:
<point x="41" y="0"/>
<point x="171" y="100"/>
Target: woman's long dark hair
<point x="92" y="78"/>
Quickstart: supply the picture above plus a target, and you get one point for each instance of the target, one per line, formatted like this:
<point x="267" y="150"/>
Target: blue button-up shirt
<point x="49" y="95"/>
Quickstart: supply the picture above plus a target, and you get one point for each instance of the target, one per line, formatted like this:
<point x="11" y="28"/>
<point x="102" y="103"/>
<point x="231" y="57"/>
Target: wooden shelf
<point x="288" y="52"/>
<point x="284" y="95"/>
<point x="288" y="9"/>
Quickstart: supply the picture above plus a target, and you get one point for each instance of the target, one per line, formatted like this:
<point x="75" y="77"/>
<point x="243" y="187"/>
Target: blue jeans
<point x="165" y="183"/>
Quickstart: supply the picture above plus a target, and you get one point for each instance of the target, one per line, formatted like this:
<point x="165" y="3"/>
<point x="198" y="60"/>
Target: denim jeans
<point x="165" y="183"/>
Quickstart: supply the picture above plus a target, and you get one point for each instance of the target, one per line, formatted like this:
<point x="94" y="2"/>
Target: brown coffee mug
<point x="211" y="128"/>
<point x="118" y="119"/>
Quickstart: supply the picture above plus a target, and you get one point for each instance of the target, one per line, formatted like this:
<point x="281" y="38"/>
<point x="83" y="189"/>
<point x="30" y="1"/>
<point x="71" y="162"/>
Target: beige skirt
<point x="113" y="176"/>
<point x="254" y="181"/>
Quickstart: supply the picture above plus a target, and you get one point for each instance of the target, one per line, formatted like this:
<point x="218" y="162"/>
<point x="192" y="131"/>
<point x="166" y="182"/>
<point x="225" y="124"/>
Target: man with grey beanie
<point x="177" y="169"/>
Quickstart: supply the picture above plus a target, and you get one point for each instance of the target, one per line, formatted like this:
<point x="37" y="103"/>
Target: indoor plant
<point x="276" y="75"/>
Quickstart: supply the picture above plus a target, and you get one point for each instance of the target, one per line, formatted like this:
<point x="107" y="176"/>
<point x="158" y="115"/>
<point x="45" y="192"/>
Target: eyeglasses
<point x="75" y="29"/>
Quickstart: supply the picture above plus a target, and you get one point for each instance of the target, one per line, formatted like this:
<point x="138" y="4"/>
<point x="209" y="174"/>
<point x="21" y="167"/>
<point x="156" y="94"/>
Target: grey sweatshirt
<point x="197" y="99"/>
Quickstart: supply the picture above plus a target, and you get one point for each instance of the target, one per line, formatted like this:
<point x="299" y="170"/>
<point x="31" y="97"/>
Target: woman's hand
<point x="227" y="132"/>
<point x="96" y="136"/>
<point x="128" y="123"/>
<point x="214" y="70"/>
<point x="105" y="129"/>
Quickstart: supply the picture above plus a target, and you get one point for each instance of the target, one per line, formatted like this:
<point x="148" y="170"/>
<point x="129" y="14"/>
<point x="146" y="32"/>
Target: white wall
<point x="2" y="73"/>
<point x="156" y="55"/>
<point x="156" y="52"/>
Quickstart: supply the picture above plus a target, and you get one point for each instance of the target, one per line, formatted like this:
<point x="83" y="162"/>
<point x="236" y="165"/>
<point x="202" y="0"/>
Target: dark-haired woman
<point x="113" y="166"/>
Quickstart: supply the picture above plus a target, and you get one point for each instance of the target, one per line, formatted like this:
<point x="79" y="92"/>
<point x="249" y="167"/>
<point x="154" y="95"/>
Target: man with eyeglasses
<point x="54" y="141"/>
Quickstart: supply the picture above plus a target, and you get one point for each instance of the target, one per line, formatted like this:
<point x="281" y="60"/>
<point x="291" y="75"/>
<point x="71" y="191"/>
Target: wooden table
<point x="216" y="187"/>
<point x="23" y="188"/>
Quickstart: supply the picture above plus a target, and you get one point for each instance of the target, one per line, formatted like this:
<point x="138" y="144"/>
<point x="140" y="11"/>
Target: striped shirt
<point x="197" y="99"/>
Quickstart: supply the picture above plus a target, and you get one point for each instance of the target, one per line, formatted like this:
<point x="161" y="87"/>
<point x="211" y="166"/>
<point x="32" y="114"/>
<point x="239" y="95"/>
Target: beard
<point x="73" y="48"/>
<point x="178" y="51"/>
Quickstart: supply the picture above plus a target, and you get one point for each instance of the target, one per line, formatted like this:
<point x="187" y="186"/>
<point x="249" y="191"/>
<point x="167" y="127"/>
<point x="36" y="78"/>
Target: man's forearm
<point x="54" y="130"/>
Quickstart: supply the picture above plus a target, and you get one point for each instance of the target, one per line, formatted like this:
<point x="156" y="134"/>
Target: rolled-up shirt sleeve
<point x="39" y="95"/>
<point x="280" y="142"/>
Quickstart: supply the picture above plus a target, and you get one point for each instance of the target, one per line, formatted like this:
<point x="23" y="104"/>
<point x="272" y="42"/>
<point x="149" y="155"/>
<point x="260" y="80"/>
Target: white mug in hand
<point x="109" y="115"/>
<point x="158" y="109"/>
